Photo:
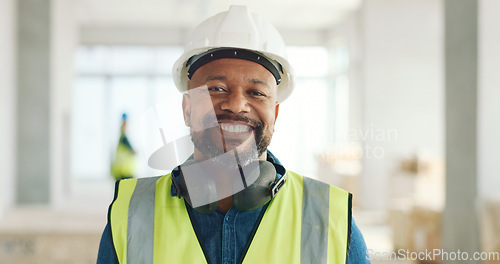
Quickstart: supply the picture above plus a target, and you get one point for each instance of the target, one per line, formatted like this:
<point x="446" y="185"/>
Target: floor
<point x="41" y="236"/>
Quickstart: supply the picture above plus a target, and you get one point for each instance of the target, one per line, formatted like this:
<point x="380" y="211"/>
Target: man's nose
<point x="236" y="102"/>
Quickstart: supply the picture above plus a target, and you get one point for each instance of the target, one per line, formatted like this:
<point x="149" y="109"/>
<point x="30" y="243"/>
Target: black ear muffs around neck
<point x="256" y="185"/>
<point x="199" y="192"/>
<point x="258" y="193"/>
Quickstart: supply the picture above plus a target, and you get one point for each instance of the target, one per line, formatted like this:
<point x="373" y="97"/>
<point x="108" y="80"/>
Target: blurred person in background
<point x="123" y="164"/>
<point x="232" y="201"/>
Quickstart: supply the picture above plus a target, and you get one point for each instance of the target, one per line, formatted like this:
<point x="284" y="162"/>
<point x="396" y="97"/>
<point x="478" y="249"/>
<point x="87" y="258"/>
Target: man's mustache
<point x="235" y="118"/>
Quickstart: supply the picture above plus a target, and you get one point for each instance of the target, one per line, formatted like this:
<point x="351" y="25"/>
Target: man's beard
<point x="204" y="142"/>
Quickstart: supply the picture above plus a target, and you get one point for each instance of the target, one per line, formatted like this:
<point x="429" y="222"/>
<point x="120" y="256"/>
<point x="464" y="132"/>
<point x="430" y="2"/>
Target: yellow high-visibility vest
<point x="306" y="222"/>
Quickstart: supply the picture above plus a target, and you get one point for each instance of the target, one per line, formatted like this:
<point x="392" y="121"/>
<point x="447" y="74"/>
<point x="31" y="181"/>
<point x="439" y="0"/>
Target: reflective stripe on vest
<point x="150" y="226"/>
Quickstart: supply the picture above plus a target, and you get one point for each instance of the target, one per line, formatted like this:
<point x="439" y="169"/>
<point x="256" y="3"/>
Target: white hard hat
<point x="244" y="35"/>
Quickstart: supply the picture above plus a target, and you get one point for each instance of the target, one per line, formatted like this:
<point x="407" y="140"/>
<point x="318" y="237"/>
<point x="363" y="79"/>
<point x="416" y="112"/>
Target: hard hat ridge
<point x="238" y="29"/>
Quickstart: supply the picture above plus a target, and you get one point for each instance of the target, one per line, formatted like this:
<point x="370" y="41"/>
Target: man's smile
<point x="234" y="127"/>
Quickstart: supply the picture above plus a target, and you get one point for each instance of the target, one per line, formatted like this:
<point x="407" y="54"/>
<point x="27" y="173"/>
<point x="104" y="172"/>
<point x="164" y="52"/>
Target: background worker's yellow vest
<point x="123" y="166"/>
<point x="306" y="222"/>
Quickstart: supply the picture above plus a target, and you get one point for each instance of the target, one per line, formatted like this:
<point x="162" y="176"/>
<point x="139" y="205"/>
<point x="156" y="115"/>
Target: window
<point x="111" y="81"/>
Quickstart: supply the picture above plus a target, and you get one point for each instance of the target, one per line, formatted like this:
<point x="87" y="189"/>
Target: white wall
<point x="125" y="35"/>
<point x="7" y="103"/>
<point x="489" y="99"/>
<point x="348" y="33"/>
<point x="63" y="46"/>
<point x="402" y="80"/>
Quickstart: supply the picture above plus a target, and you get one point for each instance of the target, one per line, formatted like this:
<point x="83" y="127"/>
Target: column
<point x="7" y="103"/>
<point x="33" y="101"/>
<point x="460" y="231"/>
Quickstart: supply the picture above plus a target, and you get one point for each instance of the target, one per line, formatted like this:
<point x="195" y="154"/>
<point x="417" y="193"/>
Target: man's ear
<point x="186" y="108"/>
<point x="276" y="110"/>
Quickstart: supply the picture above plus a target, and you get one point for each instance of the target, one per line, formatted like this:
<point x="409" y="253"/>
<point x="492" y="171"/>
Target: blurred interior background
<point x="396" y="101"/>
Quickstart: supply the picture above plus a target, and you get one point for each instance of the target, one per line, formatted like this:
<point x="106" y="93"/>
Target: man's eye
<point x="216" y="89"/>
<point x="256" y="93"/>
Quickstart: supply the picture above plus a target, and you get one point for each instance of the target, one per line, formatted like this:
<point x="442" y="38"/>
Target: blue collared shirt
<point x="224" y="237"/>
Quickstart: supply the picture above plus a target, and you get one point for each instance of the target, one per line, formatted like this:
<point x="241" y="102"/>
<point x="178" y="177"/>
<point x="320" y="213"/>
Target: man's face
<point x="231" y="104"/>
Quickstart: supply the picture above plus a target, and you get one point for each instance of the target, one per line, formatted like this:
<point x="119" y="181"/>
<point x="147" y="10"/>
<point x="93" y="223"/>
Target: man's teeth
<point x="235" y="128"/>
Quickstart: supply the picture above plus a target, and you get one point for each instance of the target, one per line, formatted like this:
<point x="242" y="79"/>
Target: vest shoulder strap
<point x="307" y="222"/>
<point x="136" y="197"/>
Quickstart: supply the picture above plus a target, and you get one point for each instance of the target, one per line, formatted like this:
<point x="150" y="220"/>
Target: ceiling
<point x="284" y="14"/>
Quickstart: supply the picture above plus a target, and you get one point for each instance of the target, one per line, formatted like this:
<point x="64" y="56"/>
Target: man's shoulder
<point x="144" y="183"/>
<point x="144" y="179"/>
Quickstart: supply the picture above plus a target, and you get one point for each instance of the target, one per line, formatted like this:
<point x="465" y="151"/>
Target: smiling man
<point x="232" y="201"/>
<point x="244" y="97"/>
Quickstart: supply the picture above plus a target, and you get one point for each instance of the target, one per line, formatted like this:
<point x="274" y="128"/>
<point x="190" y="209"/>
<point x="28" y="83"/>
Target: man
<point x="123" y="166"/>
<point x="237" y="202"/>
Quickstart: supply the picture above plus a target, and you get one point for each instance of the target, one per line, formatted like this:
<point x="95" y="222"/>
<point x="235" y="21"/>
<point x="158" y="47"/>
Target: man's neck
<point x="225" y="204"/>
